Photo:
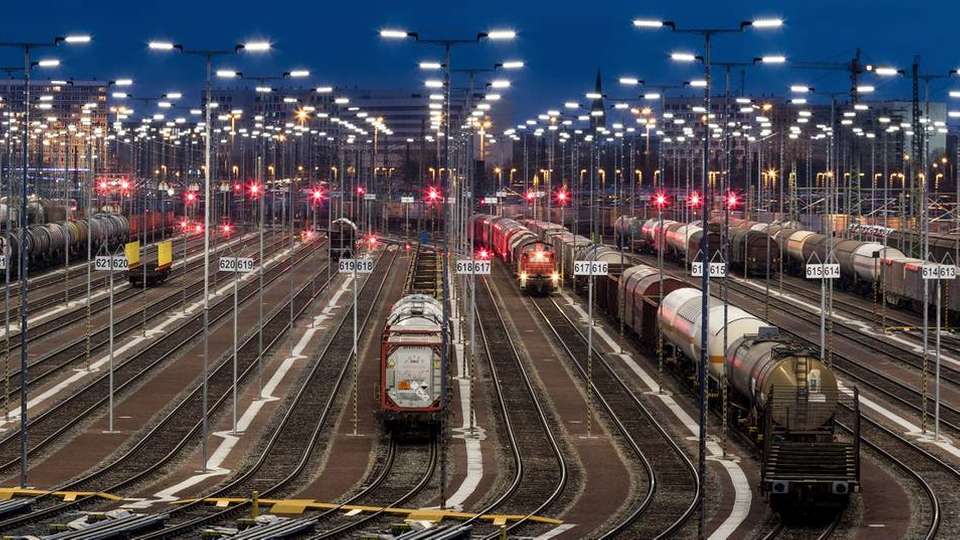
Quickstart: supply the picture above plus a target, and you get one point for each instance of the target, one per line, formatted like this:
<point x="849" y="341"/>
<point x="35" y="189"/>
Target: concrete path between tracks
<point x="229" y="439"/>
<point x="12" y="418"/>
<point x="471" y="438"/>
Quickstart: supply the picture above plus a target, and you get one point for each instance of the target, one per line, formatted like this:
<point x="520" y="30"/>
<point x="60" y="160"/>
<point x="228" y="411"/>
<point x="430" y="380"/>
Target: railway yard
<point x="276" y="307"/>
<point x="554" y="428"/>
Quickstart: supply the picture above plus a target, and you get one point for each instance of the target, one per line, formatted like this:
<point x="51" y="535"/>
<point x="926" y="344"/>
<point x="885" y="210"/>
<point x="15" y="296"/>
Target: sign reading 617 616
<point x="590" y="268"/>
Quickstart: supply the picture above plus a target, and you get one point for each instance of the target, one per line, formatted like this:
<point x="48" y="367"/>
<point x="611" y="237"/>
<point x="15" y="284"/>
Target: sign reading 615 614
<point x="468" y="266"/>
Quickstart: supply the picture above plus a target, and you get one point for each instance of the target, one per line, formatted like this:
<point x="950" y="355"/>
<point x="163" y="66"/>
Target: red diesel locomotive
<point x="532" y="260"/>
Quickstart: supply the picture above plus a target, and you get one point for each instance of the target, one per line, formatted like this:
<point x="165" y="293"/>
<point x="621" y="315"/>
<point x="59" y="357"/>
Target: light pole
<point x="707" y="34"/>
<point x="355" y="351"/>
<point x="28" y="65"/>
<point x="447" y="45"/>
<point x="208" y="55"/>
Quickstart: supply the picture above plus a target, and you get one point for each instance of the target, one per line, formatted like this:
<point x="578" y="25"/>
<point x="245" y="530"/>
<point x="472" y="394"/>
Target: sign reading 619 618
<point x="361" y="266"/>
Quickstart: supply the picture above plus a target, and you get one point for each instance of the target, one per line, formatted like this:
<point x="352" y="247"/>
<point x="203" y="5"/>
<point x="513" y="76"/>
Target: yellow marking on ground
<point x="7" y="493"/>
<point x="299" y="506"/>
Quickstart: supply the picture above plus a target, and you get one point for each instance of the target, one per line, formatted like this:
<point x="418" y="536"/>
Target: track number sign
<point x="489" y="200"/>
<point x="369" y="196"/>
<point x="105" y="263"/>
<point x="3" y="262"/>
<point x="361" y="266"/>
<point x="474" y="267"/>
<point x="590" y="268"/>
<point x="406" y="199"/>
<point x="939" y="271"/>
<point x="717" y="269"/>
<point x="236" y="264"/>
<point x="823" y="271"/>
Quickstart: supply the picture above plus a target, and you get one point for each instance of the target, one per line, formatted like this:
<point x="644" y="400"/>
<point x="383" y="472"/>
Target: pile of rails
<point x="784" y="399"/>
<point x="758" y="248"/>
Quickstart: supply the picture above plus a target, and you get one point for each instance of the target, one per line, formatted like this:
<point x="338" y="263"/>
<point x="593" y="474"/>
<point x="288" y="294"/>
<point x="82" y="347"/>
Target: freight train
<point x="411" y="350"/>
<point x="866" y="266"/>
<point x="529" y="254"/>
<point x="47" y="244"/>
<point x="783" y="398"/>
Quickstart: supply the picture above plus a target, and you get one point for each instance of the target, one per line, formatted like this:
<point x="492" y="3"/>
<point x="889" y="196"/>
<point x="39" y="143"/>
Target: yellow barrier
<point x="132" y="252"/>
<point x="299" y="506"/>
<point x="165" y="253"/>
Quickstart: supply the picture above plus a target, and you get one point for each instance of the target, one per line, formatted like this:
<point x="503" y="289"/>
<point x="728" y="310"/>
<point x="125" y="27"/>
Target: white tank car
<point x="680" y="320"/>
<point x="410" y="355"/>
<point x="754" y="366"/>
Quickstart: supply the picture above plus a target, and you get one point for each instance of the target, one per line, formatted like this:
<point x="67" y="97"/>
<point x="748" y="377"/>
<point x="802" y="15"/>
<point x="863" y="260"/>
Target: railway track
<point x="76" y="287"/>
<point x="540" y="468"/>
<point x="174" y="433"/>
<point x="865" y="374"/>
<point x="822" y="533"/>
<point x="904" y="353"/>
<point x="400" y="479"/>
<point x="69" y="354"/>
<point x="672" y="492"/>
<point x="862" y="372"/>
<point x="287" y="452"/>
<point x="870" y="311"/>
<point x="935" y="478"/>
<point x="48" y="426"/>
<point x="53" y="276"/>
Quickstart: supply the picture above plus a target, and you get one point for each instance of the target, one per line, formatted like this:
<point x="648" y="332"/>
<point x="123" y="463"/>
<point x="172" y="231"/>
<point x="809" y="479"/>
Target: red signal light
<point x="360" y="190"/>
<point x="483" y="254"/>
<point x="254" y="189"/>
<point x="660" y="200"/>
<point x="732" y="201"/>
<point x="191" y="197"/>
<point x="530" y="195"/>
<point x="694" y="200"/>
<point x="199" y="228"/>
<point x="227" y="229"/>
<point x="184" y="224"/>
<point x="433" y="194"/>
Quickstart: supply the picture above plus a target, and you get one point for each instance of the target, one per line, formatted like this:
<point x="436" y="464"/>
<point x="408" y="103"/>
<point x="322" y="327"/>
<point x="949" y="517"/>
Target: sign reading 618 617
<point x="468" y="266"/>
